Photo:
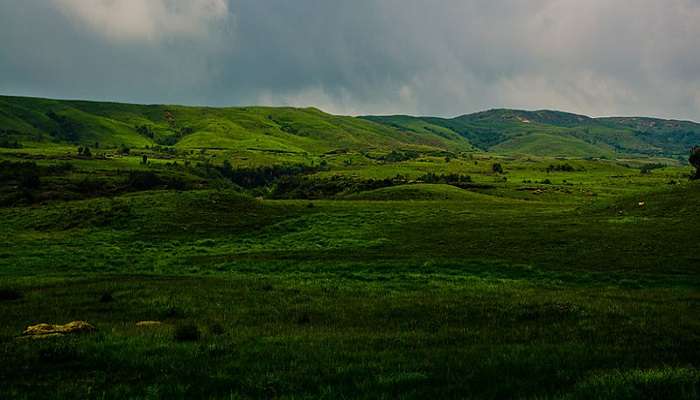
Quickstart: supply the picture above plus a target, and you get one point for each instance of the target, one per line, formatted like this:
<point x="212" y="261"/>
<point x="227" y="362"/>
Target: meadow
<point x="386" y="272"/>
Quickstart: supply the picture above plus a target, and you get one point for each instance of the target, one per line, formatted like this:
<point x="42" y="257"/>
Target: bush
<point x="694" y="160"/>
<point x="10" y="294"/>
<point x="143" y="180"/>
<point x="497" y="168"/>
<point x="216" y="329"/>
<point x="186" y="333"/>
<point x="25" y="174"/>
<point x="106" y="297"/>
<point x="561" y="167"/>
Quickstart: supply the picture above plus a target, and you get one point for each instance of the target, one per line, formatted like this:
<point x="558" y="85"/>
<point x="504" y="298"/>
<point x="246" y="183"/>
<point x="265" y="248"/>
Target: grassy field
<point x="387" y="273"/>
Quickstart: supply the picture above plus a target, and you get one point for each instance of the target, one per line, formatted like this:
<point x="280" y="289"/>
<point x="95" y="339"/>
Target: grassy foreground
<point x="371" y="299"/>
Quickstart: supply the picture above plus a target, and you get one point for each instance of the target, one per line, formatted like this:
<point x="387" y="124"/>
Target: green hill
<point x="424" y="191"/>
<point x="30" y="120"/>
<point x="41" y="122"/>
<point x="559" y="133"/>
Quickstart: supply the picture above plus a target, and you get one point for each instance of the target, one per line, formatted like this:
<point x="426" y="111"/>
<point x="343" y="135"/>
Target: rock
<point x="50" y="330"/>
<point x="148" y="323"/>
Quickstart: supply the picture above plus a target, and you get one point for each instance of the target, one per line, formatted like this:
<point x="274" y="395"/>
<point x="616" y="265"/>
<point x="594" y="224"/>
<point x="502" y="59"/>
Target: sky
<point x="419" y="57"/>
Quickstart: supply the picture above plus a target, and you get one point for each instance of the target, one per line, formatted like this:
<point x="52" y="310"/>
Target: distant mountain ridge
<point x="35" y="121"/>
<point x="547" y="132"/>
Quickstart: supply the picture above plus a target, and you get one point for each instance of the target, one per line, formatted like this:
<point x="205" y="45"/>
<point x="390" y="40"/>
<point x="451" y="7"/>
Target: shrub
<point x="186" y="333"/>
<point x="10" y="294"/>
<point x="694" y="160"/>
<point x="497" y="168"/>
<point x="106" y="297"/>
<point x="304" y="319"/>
<point x="216" y="329"/>
<point x="143" y="180"/>
<point x="24" y="173"/>
<point x="561" y="167"/>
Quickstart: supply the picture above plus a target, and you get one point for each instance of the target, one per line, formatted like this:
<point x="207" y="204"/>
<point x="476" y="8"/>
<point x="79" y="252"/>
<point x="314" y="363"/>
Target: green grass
<point x="547" y="281"/>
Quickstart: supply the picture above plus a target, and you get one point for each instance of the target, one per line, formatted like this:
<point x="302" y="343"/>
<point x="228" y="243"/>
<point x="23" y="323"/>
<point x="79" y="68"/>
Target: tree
<point x="144" y="159"/>
<point x="497" y="168"/>
<point x="694" y="160"/>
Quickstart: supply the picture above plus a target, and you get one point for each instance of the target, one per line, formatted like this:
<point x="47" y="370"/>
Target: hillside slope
<point x="558" y="133"/>
<point x="284" y="129"/>
<point x="41" y="122"/>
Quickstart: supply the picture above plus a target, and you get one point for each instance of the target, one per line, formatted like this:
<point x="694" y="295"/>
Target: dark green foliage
<point x="24" y="174"/>
<point x="10" y="144"/>
<point x="303" y="187"/>
<point x="398" y="156"/>
<point x="265" y="175"/>
<point x="84" y="152"/>
<point x="106" y="297"/>
<point x="497" y="168"/>
<point x="216" y="329"/>
<point x="647" y="168"/>
<point x="66" y="128"/>
<point x="186" y="332"/>
<point x="449" y="179"/>
<point x="9" y="294"/>
<point x="694" y="160"/>
<point x="145" y="130"/>
<point x="560" y="168"/>
<point x="144" y="180"/>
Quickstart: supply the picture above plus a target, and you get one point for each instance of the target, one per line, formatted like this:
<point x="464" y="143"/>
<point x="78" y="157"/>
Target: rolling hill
<point x="558" y="133"/>
<point x="40" y="122"/>
<point x="283" y="129"/>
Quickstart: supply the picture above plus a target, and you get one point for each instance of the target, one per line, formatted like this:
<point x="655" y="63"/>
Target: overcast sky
<point x="429" y="57"/>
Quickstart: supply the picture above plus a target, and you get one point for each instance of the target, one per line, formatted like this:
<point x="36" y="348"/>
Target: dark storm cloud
<point x="445" y="57"/>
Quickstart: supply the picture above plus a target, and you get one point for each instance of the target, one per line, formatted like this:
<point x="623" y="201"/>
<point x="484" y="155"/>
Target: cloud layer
<point x="447" y="57"/>
<point x="144" y="19"/>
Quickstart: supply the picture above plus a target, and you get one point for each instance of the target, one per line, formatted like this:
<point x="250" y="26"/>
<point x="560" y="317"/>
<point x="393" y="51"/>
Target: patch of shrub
<point x="216" y="329"/>
<point x="186" y="333"/>
<point x="560" y="168"/>
<point x="10" y="294"/>
<point x="450" y="179"/>
<point x="106" y="297"/>
<point x="10" y="144"/>
<point x="24" y="173"/>
<point x="304" y="319"/>
<point x="398" y="156"/>
<point x="261" y="176"/>
<point x="647" y="168"/>
<point x="144" y="180"/>
<point x="173" y="312"/>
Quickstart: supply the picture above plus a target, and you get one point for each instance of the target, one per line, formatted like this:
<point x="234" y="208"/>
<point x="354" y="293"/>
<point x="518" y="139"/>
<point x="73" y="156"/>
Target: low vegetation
<point x="214" y="267"/>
